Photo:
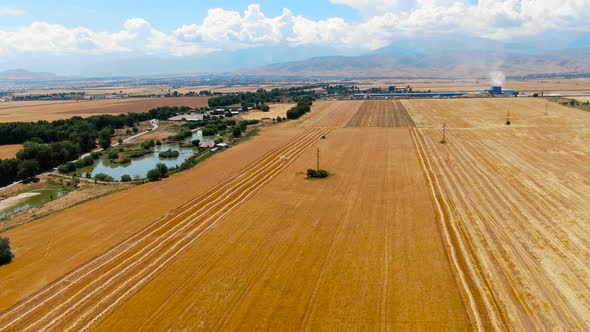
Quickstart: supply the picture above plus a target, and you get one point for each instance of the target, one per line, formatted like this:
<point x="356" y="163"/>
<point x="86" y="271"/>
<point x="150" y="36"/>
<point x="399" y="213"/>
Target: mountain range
<point x="444" y="64"/>
<point x="434" y="56"/>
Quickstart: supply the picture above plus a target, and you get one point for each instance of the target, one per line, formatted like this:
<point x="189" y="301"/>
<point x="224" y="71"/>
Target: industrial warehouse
<point x="495" y="91"/>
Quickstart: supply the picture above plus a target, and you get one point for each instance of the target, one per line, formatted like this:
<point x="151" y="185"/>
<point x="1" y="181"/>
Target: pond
<point x="199" y="135"/>
<point x="28" y="200"/>
<point x="138" y="168"/>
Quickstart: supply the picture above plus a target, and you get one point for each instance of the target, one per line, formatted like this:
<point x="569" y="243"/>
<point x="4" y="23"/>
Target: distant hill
<point x="25" y="75"/>
<point x="444" y="64"/>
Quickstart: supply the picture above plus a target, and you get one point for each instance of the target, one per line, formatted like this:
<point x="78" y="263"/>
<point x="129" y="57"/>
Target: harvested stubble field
<point x="381" y="113"/>
<point x="516" y="200"/>
<point x="243" y="240"/>
<point x="56" y="110"/>
<point x="331" y="114"/>
<point x="275" y="110"/>
<point x="9" y="151"/>
<point x="488" y="231"/>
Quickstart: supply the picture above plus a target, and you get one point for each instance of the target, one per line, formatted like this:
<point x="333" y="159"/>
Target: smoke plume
<point x="497" y="77"/>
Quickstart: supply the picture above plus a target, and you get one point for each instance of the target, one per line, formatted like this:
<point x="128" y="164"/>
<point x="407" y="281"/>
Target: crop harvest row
<point x="84" y="296"/>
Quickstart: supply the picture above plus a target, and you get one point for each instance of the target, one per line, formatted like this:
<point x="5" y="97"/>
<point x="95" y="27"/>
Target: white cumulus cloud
<point x="382" y="20"/>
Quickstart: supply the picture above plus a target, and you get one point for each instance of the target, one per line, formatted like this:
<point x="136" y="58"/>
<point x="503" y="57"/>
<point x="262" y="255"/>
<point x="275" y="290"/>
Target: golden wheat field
<point x="486" y="232"/>
<point x="57" y="110"/>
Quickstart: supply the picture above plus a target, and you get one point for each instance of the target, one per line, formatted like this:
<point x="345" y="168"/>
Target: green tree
<point x="126" y="178"/>
<point x="104" y="138"/>
<point x="103" y="177"/>
<point x="154" y="175"/>
<point x="6" y="254"/>
<point x="163" y="169"/>
<point x="237" y="132"/>
<point x="28" y="169"/>
<point x="135" y="129"/>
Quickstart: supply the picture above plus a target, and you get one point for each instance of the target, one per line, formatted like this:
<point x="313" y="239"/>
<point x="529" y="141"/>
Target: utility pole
<point x="444" y="137"/>
<point x="508" y="118"/>
<point x="546" y="108"/>
<point x="318" y="161"/>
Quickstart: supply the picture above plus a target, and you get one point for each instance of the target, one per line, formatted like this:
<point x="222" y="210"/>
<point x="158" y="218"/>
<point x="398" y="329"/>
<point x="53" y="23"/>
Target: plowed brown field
<point x="244" y="241"/>
<point x="381" y="113"/>
<point x="516" y="200"/>
<point x="56" y="110"/>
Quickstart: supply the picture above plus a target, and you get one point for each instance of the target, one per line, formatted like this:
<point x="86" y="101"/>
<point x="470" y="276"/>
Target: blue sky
<point x="109" y="15"/>
<point x="93" y="30"/>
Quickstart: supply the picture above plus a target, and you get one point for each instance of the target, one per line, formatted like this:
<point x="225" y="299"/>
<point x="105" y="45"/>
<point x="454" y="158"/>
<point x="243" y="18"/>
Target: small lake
<point x="41" y="196"/>
<point x="139" y="167"/>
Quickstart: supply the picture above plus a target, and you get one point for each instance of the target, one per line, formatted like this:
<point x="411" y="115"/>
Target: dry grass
<point x="275" y="110"/>
<point x="9" y="151"/>
<point x="43" y="110"/>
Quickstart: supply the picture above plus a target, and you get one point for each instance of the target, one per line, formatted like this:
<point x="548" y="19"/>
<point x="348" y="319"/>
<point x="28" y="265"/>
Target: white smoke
<point x="497" y="77"/>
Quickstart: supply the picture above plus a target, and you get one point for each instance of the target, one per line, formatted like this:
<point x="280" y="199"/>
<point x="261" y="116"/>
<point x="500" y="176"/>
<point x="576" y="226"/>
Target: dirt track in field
<point x="56" y="110"/>
<point x="245" y="241"/>
<point x="517" y="204"/>
<point x="381" y="113"/>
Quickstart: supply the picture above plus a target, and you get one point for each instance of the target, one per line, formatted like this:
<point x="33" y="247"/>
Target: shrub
<point x="125" y="178"/>
<point x="154" y="175"/>
<point x="158" y="142"/>
<point x="184" y="133"/>
<point x="113" y="154"/>
<point x="139" y="153"/>
<point x="237" y="132"/>
<point x="196" y="143"/>
<point x="317" y="174"/>
<point x="148" y="144"/>
<point x="169" y="154"/>
<point x="103" y="177"/>
<point x="162" y="169"/>
<point x="6" y="254"/>
<point x="67" y="168"/>
<point x="135" y="129"/>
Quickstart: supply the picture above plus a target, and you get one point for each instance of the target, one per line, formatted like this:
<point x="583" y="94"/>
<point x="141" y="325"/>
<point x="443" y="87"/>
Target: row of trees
<point x="83" y="131"/>
<point x="36" y="158"/>
<point x="303" y="106"/>
<point x="259" y="98"/>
